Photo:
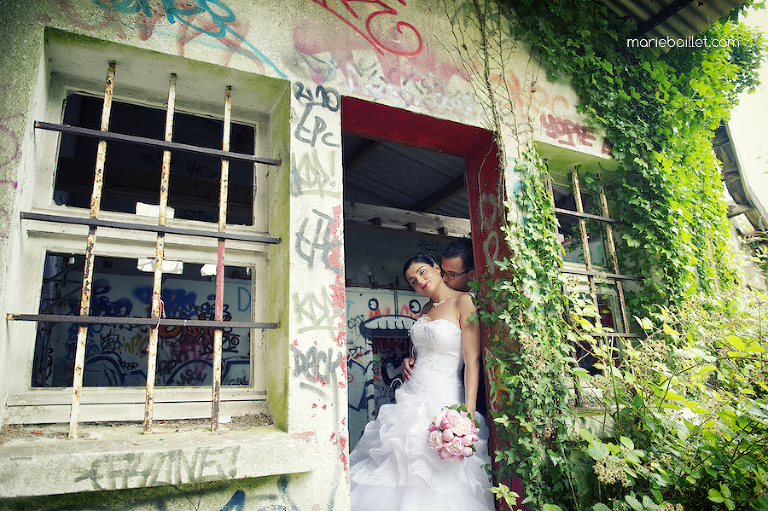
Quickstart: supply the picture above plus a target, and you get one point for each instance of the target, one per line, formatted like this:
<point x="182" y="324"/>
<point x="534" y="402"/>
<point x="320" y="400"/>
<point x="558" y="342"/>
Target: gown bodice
<point x="439" y="360"/>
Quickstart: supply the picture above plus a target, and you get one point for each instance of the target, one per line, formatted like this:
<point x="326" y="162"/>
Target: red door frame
<point x="483" y="179"/>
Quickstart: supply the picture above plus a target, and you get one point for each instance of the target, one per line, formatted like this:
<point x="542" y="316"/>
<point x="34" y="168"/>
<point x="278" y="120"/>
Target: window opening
<point x="130" y="168"/>
<point x="157" y="319"/>
<point x="586" y="232"/>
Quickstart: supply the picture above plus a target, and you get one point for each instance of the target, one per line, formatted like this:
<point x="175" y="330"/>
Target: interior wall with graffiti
<point x="378" y="324"/>
<point x="116" y="354"/>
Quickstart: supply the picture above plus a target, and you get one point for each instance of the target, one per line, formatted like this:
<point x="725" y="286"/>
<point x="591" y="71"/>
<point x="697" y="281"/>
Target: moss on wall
<point x="279" y="265"/>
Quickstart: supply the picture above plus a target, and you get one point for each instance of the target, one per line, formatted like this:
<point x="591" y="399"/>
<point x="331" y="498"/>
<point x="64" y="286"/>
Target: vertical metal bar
<point x="551" y="192"/>
<point x="157" y="309"/>
<point x="614" y="258"/>
<point x="85" y="296"/>
<point x="584" y="237"/>
<point x="223" y="192"/>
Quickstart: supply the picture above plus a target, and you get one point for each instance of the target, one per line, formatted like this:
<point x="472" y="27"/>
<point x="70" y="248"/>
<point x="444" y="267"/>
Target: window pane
<point x="608" y="308"/>
<point x="571" y="240"/>
<point x="132" y="172"/>
<point x="569" y="228"/>
<point x="116" y="354"/>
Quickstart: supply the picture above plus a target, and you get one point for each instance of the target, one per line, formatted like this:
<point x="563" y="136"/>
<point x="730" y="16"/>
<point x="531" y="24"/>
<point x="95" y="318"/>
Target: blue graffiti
<point x="236" y="503"/>
<point x="243" y="299"/>
<point x="220" y="13"/>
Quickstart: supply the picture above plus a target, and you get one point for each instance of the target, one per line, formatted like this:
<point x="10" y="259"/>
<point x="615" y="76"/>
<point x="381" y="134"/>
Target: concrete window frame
<point x="80" y="64"/>
<point x="121" y="457"/>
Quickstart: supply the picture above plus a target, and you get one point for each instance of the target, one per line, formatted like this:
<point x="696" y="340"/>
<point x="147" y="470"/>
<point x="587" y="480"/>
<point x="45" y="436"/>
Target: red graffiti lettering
<point x="566" y="131"/>
<point x="381" y="27"/>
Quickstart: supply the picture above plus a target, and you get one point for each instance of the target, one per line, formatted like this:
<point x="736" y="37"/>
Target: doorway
<point x="405" y="192"/>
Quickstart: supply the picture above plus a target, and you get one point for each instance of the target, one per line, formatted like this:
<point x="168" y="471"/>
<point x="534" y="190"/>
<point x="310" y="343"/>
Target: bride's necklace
<point x="438" y="304"/>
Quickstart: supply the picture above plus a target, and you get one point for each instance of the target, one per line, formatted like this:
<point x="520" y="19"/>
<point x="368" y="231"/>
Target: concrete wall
<point x="391" y="52"/>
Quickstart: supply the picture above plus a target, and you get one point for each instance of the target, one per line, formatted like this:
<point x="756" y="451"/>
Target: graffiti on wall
<point x="212" y="19"/>
<point x="571" y="133"/>
<point x="310" y="175"/>
<point x="382" y="28"/>
<point x="379" y="53"/>
<point x="377" y="342"/>
<point x="315" y="241"/>
<point x="325" y="99"/>
<point x="138" y="470"/>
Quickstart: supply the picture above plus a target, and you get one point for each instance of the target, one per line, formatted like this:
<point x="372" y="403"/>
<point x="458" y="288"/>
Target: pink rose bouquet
<point x="453" y="433"/>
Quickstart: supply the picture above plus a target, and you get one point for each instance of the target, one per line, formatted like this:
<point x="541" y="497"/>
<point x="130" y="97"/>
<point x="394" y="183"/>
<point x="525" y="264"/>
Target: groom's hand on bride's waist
<point x="408" y="367"/>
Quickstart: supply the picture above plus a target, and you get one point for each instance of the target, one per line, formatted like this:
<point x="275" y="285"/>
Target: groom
<point x="458" y="266"/>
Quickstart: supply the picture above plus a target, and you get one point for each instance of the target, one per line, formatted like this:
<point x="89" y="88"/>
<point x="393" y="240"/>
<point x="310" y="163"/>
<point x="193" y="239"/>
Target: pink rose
<point x="455" y="447"/>
<point x="467" y="451"/>
<point x="468" y="440"/>
<point x="463" y="426"/>
<point x="439" y="416"/>
<point x="435" y="440"/>
<point x="448" y="435"/>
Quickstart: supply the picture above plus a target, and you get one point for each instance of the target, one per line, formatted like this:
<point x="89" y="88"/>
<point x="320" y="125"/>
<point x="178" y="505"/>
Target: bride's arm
<point x="470" y="345"/>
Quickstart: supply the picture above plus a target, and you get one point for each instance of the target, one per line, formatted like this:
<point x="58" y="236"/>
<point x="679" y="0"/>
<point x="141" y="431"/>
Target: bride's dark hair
<point x="420" y="258"/>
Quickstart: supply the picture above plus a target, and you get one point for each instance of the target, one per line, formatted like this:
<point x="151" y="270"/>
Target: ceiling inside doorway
<point x="403" y="177"/>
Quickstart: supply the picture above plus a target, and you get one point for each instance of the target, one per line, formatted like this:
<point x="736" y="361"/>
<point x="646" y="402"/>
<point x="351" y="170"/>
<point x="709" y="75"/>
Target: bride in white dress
<point x="393" y="467"/>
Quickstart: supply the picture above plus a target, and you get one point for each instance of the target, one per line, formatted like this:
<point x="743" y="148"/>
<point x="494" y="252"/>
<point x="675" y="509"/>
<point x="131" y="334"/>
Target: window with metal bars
<point x="585" y="230"/>
<point x="150" y="294"/>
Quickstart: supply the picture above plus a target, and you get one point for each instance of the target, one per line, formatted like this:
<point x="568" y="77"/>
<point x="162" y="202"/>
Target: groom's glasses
<point x="450" y="275"/>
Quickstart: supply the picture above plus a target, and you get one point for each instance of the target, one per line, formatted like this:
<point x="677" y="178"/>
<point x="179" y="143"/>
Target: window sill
<point x="116" y="458"/>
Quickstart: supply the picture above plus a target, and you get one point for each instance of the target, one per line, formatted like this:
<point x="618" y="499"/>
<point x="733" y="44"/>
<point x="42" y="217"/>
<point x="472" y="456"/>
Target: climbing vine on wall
<point x="659" y="111"/>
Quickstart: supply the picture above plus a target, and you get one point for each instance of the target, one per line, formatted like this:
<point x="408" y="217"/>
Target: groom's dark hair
<point x="420" y="258"/>
<point x="462" y="248"/>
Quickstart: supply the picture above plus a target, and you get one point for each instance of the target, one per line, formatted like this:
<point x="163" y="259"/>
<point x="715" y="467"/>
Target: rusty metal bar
<point x="151" y="142"/>
<point x="157" y="302"/>
<point x="120" y="320"/>
<point x="93" y="222"/>
<point x="219" y="312"/>
<point x="90" y="254"/>
<point x="588" y="216"/>
<point x="601" y="274"/>
<point x="614" y="259"/>
<point x="551" y="191"/>
<point x="584" y="237"/>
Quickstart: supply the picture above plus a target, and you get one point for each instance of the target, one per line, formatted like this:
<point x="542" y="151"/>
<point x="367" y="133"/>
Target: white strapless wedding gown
<point x="392" y="467"/>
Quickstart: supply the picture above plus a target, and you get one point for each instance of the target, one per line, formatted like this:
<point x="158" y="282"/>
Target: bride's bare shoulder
<point x="466" y="298"/>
